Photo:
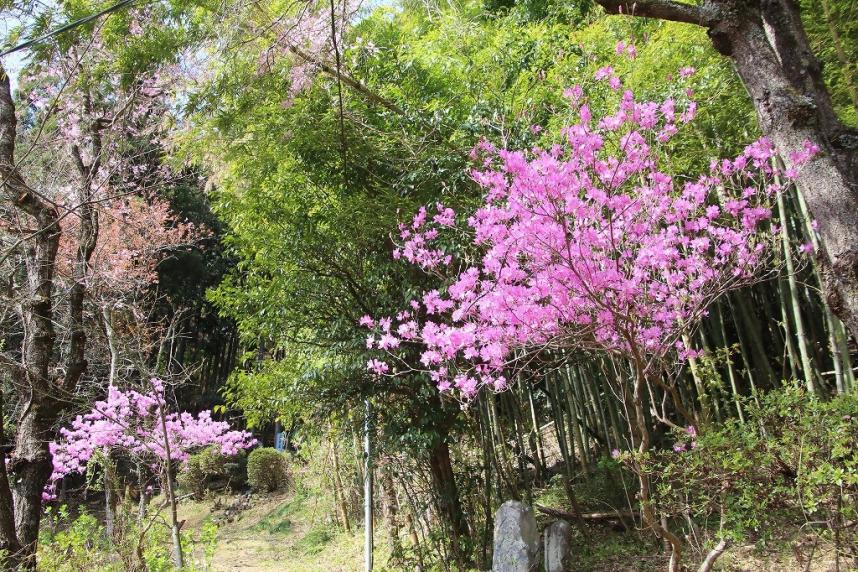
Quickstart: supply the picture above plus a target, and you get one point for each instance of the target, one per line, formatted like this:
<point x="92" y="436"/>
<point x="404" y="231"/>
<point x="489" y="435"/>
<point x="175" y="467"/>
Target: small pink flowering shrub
<point x="128" y="423"/>
<point x="588" y="244"/>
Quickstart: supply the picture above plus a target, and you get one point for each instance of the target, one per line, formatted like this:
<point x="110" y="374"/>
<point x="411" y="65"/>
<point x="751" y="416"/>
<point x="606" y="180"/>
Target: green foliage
<point x="202" y="541"/>
<point x="280" y="520"/>
<point x="796" y="458"/>
<point x="71" y="544"/>
<point x="210" y="469"/>
<point x="266" y="470"/>
<point x="269" y="393"/>
<point x="832" y="28"/>
<point x="308" y="223"/>
<point x="311" y="234"/>
<point x="315" y="540"/>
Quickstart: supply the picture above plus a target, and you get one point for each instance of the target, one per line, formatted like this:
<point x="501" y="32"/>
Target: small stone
<point x="556" y="545"/>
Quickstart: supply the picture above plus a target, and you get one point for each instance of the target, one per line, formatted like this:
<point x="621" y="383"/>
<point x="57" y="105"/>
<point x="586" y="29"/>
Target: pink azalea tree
<point x="138" y="426"/>
<point x="128" y="422"/>
<point x="588" y="245"/>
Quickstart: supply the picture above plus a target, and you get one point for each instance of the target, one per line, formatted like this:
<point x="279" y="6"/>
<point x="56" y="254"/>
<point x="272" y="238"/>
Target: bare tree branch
<point x="661" y="9"/>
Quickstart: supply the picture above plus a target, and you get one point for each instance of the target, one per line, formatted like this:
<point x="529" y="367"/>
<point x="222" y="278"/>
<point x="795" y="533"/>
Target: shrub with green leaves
<point x="70" y="543"/>
<point x="795" y="460"/>
<point x="73" y="543"/>
<point x="266" y="469"/>
<point x="209" y="469"/>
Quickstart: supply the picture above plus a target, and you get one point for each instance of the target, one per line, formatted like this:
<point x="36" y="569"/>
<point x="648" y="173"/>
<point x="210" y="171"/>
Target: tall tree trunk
<point x="8" y="537"/>
<point x="31" y="468"/>
<point x="30" y="461"/>
<point x="768" y="45"/>
<point x="449" y="503"/>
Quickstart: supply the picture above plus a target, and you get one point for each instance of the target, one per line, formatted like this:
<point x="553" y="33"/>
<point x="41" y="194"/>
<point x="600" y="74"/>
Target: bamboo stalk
<point x="731" y="374"/>
<point x="801" y="337"/>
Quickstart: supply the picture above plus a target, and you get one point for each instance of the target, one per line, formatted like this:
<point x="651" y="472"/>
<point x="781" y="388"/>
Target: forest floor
<point x="289" y="532"/>
<point x="283" y="532"/>
<point x="611" y="551"/>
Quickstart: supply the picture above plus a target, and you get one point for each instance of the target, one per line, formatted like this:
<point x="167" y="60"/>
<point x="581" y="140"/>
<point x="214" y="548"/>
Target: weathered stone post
<point x="516" y="539"/>
<point x="556" y="545"/>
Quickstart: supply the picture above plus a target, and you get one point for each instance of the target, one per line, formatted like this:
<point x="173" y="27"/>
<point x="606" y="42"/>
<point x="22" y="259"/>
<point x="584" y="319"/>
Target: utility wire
<point x="67" y="27"/>
<point x="339" y="89"/>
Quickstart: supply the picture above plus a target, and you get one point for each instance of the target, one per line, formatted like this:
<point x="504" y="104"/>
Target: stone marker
<point x="556" y="545"/>
<point x="516" y="538"/>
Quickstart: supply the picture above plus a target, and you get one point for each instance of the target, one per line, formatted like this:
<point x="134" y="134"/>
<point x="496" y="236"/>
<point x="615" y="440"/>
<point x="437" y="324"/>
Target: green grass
<point x="315" y="540"/>
<point x="279" y="520"/>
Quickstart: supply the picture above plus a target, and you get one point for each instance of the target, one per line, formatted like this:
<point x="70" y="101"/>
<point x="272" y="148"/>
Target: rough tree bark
<point x="449" y="503"/>
<point x="390" y="509"/>
<point x="769" y="47"/>
<point x="42" y="386"/>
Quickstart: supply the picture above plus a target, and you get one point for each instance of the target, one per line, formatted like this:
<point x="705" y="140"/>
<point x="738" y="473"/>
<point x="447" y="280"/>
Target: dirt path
<point x="284" y="532"/>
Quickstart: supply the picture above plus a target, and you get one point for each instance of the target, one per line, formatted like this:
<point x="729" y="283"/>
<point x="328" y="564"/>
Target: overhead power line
<point x="67" y="27"/>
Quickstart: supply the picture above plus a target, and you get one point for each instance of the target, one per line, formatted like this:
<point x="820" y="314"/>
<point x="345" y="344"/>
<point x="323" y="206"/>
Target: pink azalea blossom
<point x="130" y="422"/>
<point x="591" y="244"/>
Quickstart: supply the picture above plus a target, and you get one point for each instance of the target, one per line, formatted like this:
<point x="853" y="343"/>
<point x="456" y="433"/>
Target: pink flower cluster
<point x="589" y="244"/>
<point x="133" y="235"/>
<point x="305" y="36"/>
<point x="419" y="235"/>
<point x="628" y="50"/>
<point x="688" y="440"/>
<point x="129" y="422"/>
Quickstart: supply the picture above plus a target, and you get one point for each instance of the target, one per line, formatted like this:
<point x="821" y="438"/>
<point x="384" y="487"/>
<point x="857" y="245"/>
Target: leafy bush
<point x="72" y="544"/>
<point x="235" y="470"/>
<point x="197" y="470"/>
<point x="210" y="469"/>
<point x="266" y="469"/>
<point x="794" y="460"/>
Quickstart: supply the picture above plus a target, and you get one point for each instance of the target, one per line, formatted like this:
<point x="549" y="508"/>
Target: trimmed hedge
<point x="266" y="470"/>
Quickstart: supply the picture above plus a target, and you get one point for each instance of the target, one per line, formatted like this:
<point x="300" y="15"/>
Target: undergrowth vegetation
<point x="266" y="470"/>
<point x="72" y="542"/>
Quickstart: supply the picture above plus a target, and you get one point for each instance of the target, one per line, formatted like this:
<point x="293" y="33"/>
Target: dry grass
<point x="284" y="532"/>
